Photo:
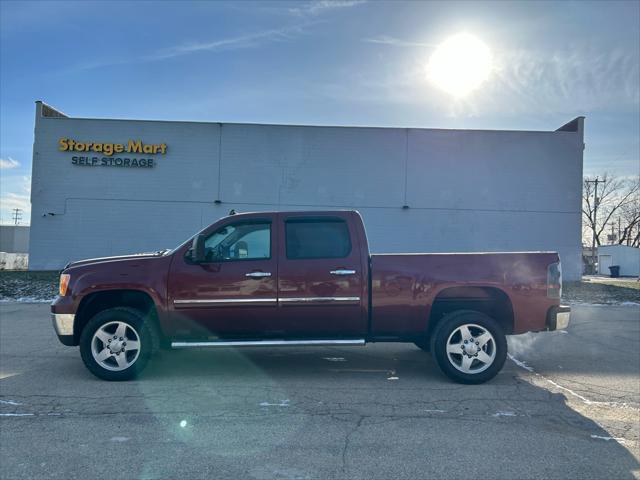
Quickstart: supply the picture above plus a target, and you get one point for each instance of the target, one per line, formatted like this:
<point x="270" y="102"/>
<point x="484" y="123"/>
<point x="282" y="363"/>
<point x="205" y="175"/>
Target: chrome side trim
<point x="237" y="301"/>
<point x="224" y="301"/>
<point x="266" y="343"/>
<point x="63" y="323"/>
<point x="291" y="300"/>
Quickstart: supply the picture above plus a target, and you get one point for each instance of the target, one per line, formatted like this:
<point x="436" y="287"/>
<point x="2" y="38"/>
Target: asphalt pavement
<point x="566" y="405"/>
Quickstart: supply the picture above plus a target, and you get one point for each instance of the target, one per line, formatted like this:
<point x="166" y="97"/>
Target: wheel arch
<point x="97" y="302"/>
<point x="491" y="301"/>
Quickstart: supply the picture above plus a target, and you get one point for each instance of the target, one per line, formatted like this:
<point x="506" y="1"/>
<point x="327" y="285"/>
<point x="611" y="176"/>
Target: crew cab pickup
<point x="304" y="278"/>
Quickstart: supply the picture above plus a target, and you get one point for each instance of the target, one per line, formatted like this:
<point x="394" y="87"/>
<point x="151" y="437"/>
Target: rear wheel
<point x="116" y="344"/>
<point x="469" y="347"/>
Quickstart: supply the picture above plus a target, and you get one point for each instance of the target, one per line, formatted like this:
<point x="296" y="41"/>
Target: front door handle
<point x="342" y="271"/>
<point x="258" y="274"/>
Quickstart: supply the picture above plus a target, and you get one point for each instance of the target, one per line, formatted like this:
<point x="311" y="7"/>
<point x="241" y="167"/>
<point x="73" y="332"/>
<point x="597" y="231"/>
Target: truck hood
<point x="114" y="259"/>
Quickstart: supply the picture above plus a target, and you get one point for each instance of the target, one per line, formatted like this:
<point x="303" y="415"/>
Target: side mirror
<point x="197" y="249"/>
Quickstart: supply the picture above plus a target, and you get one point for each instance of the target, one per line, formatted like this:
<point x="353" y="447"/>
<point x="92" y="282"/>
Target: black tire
<point x="135" y="320"/>
<point x="446" y="328"/>
<point x="423" y="344"/>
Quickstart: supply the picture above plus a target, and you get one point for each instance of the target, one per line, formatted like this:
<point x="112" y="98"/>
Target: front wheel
<point x="469" y="347"/>
<point x="116" y="344"/>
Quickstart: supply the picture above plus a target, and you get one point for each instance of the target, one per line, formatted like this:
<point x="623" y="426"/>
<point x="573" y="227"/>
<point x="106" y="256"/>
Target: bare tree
<point x="629" y="218"/>
<point x="607" y="199"/>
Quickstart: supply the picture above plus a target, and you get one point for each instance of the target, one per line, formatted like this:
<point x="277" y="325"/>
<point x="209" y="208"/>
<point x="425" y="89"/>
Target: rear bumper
<point x="558" y="317"/>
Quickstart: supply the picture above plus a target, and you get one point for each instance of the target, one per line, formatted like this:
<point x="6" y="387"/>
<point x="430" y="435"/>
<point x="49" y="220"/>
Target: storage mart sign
<point x="111" y="149"/>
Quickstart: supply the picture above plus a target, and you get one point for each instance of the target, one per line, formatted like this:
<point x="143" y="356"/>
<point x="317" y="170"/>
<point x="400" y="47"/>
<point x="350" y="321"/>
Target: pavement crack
<point x="347" y="441"/>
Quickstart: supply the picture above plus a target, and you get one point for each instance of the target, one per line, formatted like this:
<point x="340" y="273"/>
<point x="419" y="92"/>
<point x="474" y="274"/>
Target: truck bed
<point x="404" y="287"/>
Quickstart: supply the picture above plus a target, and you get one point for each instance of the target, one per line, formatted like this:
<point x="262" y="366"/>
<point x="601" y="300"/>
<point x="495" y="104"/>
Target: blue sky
<point x="347" y="62"/>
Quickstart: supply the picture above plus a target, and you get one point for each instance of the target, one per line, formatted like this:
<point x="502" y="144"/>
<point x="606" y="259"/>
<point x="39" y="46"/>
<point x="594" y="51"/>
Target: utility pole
<point x="613" y="235"/>
<point x="619" y="230"/>
<point x="17" y="215"/>
<point x="595" y="224"/>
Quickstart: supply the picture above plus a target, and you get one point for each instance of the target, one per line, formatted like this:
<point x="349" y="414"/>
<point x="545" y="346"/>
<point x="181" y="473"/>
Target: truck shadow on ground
<point x="394" y="389"/>
<point x="380" y="411"/>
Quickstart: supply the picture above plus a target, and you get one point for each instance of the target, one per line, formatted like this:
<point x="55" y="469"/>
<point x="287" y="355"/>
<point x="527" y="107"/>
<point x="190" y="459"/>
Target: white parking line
<point x="582" y="398"/>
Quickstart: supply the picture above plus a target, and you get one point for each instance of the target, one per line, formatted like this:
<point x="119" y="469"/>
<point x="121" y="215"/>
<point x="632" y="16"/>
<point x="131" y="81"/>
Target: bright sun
<point x="460" y="64"/>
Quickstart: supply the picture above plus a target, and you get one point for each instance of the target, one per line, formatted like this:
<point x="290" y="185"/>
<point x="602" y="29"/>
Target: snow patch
<point x="606" y="439"/>
<point x="27" y="300"/>
<point x="520" y="363"/>
<point x="612" y="304"/>
<point x="283" y="403"/>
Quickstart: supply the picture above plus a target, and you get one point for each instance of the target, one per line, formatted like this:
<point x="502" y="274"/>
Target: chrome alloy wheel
<point x="115" y="346"/>
<point x="471" y="348"/>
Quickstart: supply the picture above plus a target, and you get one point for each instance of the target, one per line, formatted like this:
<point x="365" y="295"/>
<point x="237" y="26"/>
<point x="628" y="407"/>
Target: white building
<point x="148" y="185"/>
<point x="14" y="245"/>
<point x="627" y="258"/>
<point x="14" y="238"/>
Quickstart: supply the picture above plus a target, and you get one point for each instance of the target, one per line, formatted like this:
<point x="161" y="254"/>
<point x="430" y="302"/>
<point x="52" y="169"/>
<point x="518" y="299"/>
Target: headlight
<point x="64" y="283"/>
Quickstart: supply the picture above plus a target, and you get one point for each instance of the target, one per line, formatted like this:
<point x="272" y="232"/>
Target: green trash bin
<point x="614" y="271"/>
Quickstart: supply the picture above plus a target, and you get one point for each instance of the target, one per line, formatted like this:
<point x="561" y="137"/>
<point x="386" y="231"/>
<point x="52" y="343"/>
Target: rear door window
<point x="317" y="238"/>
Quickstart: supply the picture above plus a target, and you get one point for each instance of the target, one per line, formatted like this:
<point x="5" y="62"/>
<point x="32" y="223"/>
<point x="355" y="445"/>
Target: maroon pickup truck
<point x="304" y="278"/>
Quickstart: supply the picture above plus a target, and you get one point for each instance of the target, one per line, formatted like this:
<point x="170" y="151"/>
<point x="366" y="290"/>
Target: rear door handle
<point x="342" y="271"/>
<point x="258" y="274"/>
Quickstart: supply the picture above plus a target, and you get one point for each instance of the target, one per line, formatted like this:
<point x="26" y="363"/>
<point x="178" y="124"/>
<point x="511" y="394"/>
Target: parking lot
<point x="566" y="405"/>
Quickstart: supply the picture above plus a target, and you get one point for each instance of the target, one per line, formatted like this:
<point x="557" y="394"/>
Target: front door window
<point x="242" y="241"/>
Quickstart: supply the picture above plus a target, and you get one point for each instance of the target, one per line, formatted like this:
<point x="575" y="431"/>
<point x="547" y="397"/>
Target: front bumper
<point x="63" y="322"/>
<point x="558" y="317"/>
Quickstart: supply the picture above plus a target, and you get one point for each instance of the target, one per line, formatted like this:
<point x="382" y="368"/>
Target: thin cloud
<point x="9" y="202"/>
<point x="250" y="40"/>
<point x="16" y="193"/>
<point x="14" y="200"/>
<point x="26" y="184"/>
<point x="323" y="6"/>
<point x="6" y="163"/>
<point x="395" y="42"/>
<point x="567" y="78"/>
<point x="241" y="41"/>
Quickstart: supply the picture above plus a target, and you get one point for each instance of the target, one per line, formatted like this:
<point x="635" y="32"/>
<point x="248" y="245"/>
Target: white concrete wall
<point x="466" y="190"/>
<point x="14" y="238"/>
<point x="628" y="258"/>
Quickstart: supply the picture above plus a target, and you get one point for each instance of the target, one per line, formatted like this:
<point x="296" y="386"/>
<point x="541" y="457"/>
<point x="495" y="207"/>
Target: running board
<point x="266" y="343"/>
